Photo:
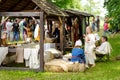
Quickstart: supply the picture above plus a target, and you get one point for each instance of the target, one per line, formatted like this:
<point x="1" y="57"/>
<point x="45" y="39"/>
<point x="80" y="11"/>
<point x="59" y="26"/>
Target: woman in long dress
<point x="89" y="47"/>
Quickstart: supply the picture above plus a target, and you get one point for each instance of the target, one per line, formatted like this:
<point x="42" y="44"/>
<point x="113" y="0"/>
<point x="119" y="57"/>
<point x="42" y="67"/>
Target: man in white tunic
<point x="105" y="47"/>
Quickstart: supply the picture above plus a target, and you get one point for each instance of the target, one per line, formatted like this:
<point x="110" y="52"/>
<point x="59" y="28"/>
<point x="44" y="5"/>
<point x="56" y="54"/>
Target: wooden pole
<point x="0" y="29"/>
<point x="61" y="33"/>
<point x="72" y="32"/>
<point x="41" y="51"/>
<point x="88" y="21"/>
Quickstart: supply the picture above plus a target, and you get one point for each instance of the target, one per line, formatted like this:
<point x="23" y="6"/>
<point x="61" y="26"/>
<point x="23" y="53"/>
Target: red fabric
<point x="105" y="26"/>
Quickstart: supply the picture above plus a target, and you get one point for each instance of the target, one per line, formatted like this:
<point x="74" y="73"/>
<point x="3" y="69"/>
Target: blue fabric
<point x="78" y="55"/>
<point x="15" y="36"/>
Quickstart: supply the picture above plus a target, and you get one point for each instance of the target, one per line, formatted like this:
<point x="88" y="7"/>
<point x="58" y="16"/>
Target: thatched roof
<point x="30" y="5"/>
<point x="72" y="12"/>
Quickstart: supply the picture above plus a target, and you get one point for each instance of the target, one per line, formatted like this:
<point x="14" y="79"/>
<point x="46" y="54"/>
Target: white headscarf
<point x="78" y="43"/>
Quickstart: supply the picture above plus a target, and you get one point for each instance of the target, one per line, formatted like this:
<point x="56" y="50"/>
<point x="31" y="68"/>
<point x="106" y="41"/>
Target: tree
<point x="67" y="4"/>
<point x="113" y="8"/>
<point x="92" y="7"/>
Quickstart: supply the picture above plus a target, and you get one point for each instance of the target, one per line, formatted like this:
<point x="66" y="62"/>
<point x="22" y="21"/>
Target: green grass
<point x="102" y="71"/>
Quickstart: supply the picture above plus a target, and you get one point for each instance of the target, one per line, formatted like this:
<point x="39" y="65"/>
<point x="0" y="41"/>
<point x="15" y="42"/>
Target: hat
<point x="78" y="43"/>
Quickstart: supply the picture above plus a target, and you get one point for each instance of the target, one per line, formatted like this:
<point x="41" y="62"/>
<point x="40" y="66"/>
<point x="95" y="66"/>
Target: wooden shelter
<point x="40" y="8"/>
<point x="77" y="21"/>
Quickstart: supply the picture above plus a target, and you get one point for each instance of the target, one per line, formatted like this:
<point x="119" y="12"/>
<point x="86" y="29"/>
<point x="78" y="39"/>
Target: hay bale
<point x="59" y="65"/>
<point x="76" y="67"/>
<point x="53" y="68"/>
<point x="56" y="65"/>
<point x="48" y="56"/>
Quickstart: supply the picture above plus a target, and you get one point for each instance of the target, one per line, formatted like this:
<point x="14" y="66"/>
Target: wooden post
<point x="72" y="33"/>
<point x="41" y="51"/>
<point x="61" y="34"/>
<point x="0" y="29"/>
<point x="80" y="28"/>
<point x="85" y="22"/>
<point x="88" y="21"/>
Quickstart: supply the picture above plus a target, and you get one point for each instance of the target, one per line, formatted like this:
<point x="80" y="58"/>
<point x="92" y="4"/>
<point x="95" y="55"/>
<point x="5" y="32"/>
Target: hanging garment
<point x="3" y="53"/>
<point x="19" y="55"/>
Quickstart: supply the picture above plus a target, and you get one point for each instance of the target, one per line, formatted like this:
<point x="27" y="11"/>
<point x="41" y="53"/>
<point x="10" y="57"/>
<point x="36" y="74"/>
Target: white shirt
<point x="104" y="48"/>
<point x="9" y="26"/>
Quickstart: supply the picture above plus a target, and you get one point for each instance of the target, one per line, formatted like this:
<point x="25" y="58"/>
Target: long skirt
<point x="90" y="56"/>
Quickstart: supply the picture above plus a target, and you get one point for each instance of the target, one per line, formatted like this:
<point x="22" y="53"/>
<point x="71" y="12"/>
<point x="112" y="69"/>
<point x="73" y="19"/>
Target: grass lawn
<point x="102" y="71"/>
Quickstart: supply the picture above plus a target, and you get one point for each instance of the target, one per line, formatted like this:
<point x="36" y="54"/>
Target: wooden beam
<point x="41" y="51"/>
<point x="20" y="13"/>
<point x="18" y="68"/>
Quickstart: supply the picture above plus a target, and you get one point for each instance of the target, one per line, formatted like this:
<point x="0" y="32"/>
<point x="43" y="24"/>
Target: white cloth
<point x="89" y="46"/>
<point x="27" y="54"/>
<point x="104" y="48"/>
<point x="78" y="43"/>
<point x="34" y="59"/>
<point x="3" y="53"/>
<point x="31" y="57"/>
<point x="36" y="31"/>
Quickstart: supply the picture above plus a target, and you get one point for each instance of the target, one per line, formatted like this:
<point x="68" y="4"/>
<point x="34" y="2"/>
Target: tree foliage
<point x="113" y="8"/>
<point x="92" y="7"/>
<point x="67" y="4"/>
